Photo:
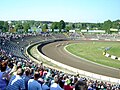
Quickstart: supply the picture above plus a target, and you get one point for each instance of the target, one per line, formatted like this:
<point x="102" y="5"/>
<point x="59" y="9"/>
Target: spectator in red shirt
<point x="68" y="86"/>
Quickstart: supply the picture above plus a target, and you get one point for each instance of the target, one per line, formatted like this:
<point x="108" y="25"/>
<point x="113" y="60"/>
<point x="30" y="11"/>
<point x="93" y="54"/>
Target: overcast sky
<point x="56" y="10"/>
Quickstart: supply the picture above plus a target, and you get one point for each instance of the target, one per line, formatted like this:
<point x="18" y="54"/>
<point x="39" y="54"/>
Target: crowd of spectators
<point x="18" y="73"/>
<point x="21" y="74"/>
<point x="112" y="37"/>
<point x="15" y="43"/>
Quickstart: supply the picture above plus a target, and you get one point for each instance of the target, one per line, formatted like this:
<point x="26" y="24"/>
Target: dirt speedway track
<point x="56" y="52"/>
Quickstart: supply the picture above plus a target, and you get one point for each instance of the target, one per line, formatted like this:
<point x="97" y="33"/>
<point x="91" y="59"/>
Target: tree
<point x="73" y="26"/>
<point x="37" y="23"/>
<point x="6" y="26"/>
<point x="44" y="27"/>
<point x="67" y="28"/>
<point x="18" y="26"/>
<point x="84" y="25"/>
<point x="26" y="26"/>
<point x="1" y="24"/>
<point x="78" y="25"/>
<point x="114" y="25"/>
<point x="54" y="25"/>
<point x="31" y="23"/>
<point x="107" y="25"/>
<point x="61" y="25"/>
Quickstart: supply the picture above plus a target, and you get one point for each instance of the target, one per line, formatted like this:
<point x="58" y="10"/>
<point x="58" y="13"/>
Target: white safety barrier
<point x="118" y="58"/>
<point x="107" y="55"/>
<point x="113" y="57"/>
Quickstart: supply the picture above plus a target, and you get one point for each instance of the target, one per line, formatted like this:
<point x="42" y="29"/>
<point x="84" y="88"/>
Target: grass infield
<point x="93" y="51"/>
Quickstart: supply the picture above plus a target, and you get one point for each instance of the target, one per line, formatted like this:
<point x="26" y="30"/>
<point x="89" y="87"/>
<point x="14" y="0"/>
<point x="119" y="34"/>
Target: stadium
<point x="50" y="49"/>
<point x="59" y="45"/>
<point x="55" y="50"/>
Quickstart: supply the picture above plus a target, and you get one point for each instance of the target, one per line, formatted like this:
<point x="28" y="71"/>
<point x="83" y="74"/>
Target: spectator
<point x="26" y="77"/>
<point x="68" y="87"/>
<point x="81" y="84"/>
<point x="3" y="76"/>
<point x="55" y="85"/>
<point x="33" y="83"/>
<point x="46" y="85"/>
<point x="61" y="81"/>
<point x="16" y="82"/>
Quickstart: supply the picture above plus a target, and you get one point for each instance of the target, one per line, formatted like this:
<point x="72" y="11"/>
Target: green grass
<point x="93" y="51"/>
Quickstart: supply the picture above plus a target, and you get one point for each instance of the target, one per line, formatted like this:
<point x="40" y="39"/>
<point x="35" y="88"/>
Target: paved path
<point x="59" y="54"/>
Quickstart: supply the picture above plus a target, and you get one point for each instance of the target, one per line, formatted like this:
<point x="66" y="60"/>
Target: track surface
<point x="59" y="54"/>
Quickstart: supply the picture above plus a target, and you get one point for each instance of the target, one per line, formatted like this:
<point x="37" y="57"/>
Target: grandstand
<point x="13" y="46"/>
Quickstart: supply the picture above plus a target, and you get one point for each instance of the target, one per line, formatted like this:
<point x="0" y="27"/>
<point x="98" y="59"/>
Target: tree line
<point x="27" y="24"/>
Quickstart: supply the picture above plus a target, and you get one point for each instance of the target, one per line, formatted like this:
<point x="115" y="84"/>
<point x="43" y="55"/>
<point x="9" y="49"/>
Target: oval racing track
<point x="59" y="54"/>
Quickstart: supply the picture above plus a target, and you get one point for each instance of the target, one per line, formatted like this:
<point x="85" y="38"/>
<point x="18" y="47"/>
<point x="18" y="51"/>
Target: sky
<point x="56" y="10"/>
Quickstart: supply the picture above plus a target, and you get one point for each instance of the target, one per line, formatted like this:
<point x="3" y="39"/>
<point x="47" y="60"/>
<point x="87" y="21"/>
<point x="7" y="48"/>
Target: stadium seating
<point x="11" y="46"/>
